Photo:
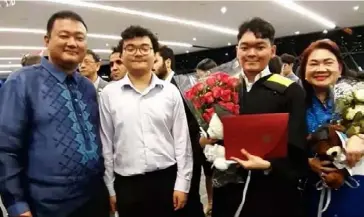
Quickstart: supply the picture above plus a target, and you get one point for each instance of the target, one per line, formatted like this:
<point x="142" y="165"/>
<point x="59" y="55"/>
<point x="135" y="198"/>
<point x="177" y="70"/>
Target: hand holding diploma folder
<point x="261" y="136"/>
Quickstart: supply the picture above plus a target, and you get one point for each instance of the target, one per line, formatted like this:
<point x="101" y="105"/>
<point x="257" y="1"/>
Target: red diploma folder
<point x="263" y="135"/>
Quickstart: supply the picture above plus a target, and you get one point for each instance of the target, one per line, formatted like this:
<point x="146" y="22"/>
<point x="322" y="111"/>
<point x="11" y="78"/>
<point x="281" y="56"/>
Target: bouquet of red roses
<point x="214" y="97"/>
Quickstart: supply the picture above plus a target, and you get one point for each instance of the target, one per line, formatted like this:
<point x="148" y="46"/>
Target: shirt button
<point x="79" y="114"/>
<point x="85" y="129"/>
<point x="76" y="100"/>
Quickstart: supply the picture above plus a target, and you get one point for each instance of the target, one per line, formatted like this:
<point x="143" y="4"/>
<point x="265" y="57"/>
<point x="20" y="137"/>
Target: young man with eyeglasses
<point x="144" y="131"/>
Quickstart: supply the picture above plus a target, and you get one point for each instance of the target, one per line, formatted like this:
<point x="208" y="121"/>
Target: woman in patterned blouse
<point x="321" y="67"/>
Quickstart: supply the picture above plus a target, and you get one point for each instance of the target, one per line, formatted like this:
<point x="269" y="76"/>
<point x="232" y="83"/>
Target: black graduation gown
<point x="277" y="193"/>
<point x="194" y="207"/>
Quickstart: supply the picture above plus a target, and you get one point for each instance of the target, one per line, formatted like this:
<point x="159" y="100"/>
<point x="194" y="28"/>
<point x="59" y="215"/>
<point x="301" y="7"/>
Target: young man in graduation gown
<point x="274" y="183"/>
<point x="163" y="68"/>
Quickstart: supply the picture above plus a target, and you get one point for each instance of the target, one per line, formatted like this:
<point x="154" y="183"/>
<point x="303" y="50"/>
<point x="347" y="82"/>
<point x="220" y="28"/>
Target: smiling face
<point x="322" y="68"/>
<point x="67" y="43"/>
<point x="254" y="53"/>
<point x="138" y="55"/>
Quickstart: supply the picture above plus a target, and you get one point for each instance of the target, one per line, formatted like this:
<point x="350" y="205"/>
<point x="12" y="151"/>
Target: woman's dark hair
<point x="206" y="64"/>
<point x="326" y="44"/>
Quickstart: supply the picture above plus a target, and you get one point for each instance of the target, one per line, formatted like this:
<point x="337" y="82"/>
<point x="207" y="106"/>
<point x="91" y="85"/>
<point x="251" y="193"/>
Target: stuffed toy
<point x="328" y="146"/>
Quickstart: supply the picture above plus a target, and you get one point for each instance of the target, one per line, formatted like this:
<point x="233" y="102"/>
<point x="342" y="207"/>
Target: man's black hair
<point x="261" y="29"/>
<point x="206" y="64"/>
<point x="167" y="53"/>
<point x="135" y="32"/>
<point x="94" y="55"/>
<point x="63" y="15"/>
<point x="287" y="58"/>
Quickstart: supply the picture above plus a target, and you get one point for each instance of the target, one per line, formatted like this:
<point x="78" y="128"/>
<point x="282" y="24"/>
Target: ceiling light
<point x="226" y="54"/>
<point x="187" y="51"/>
<point x="223" y="10"/>
<point x="289" y="4"/>
<point x="42" y="48"/>
<point x="229" y="44"/>
<point x="355" y="8"/>
<point x="91" y="35"/>
<point x="194" y="39"/>
<point x="107" y="45"/>
<point x="9" y="62"/>
<point x="325" y="31"/>
<point x="10" y="58"/>
<point x="5" y="71"/>
<point x="10" y="65"/>
<point x="149" y="15"/>
<point x="297" y="32"/>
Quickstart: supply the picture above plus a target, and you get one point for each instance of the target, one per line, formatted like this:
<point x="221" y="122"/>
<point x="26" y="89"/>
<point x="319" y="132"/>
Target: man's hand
<point x="354" y="150"/>
<point x="179" y="199"/>
<point x="113" y="204"/>
<point x="253" y="162"/>
<point x="319" y="166"/>
<point x="26" y="214"/>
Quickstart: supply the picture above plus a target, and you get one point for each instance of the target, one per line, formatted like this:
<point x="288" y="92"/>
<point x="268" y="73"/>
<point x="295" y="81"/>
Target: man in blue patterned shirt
<point x="50" y="151"/>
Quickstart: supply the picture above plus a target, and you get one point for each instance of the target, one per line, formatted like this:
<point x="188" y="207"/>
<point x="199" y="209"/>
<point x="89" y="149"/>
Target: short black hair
<point x="62" y="15"/>
<point x="135" y="32"/>
<point x="115" y="50"/>
<point x="206" y="64"/>
<point x="30" y="59"/>
<point x="287" y="58"/>
<point x="275" y="65"/>
<point x="261" y="29"/>
<point x="94" y="55"/>
<point x="167" y="53"/>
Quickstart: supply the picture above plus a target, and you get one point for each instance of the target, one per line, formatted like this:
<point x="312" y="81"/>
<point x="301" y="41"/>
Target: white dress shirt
<point x="262" y="74"/>
<point x="97" y="82"/>
<point x="144" y="131"/>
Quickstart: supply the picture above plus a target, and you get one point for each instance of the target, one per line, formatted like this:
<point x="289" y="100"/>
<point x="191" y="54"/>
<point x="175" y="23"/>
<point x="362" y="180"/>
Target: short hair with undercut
<point x="206" y="64"/>
<point x="261" y="29"/>
<point x="167" y="53"/>
<point x="63" y="15"/>
<point x="136" y="32"/>
<point x="95" y="56"/>
<point x="30" y="59"/>
<point x="288" y="58"/>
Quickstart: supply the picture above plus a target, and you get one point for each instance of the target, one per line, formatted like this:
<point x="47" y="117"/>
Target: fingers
<point x="328" y="169"/>
<point x="325" y="163"/>
<point x="175" y="201"/>
<point x="245" y="153"/>
<point x="353" y="158"/>
<point x="26" y="214"/>
<point x="239" y="161"/>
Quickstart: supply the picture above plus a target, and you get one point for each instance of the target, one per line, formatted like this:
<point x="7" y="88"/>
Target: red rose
<point x="225" y="79"/>
<point x="189" y="94"/>
<point x="199" y="87"/>
<point x="197" y="104"/>
<point x="235" y="97"/>
<point x="233" y="82"/>
<point x="211" y="81"/>
<point x="236" y="109"/>
<point x="216" y="92"/>
<point x="226" y="95"/>
<point x="207" y="115"/>
<point x="208" y="98"/>
<point x="229" y="106"/>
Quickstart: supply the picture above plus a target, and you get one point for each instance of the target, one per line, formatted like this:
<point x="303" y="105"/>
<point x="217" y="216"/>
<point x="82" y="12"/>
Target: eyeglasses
<point x="86" y="62"/>
<point x="143" y="49"/>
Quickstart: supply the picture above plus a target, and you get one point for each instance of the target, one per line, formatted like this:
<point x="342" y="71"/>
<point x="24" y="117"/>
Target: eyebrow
<point x="252" y="43"/>
<point x="326" y="59"/>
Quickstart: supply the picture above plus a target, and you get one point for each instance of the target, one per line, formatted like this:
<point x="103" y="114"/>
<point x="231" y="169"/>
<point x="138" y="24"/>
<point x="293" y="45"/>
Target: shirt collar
<point x="170" y="76"/>
<point x="155" y="81"/>
<point x="97" y="82"/>
<point x="262" y="74"/>
<point x="56" y="72"/>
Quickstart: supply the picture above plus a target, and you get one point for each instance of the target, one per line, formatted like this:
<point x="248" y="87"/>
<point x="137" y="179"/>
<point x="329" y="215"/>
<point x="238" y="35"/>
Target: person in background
<point x="164" y="68"/>
<point x="273" y="187"/>
<point x="287" y="68"/>
<point x="144" y="132"/>
<point x="321" y="67"/>
<point x="89" y="67"/>
<point x="232" y="68"/>
<point x="275" y="65"/>
<point x="51" y="161"/>
<point x="204" y="66"/>
<point x="117" y="68"/>
<point x="30" y="59"/>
